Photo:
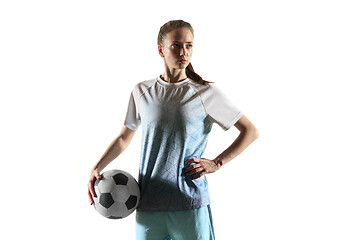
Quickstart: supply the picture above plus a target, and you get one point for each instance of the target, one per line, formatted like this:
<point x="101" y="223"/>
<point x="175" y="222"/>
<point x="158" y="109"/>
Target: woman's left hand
<point x="201" y="166"/>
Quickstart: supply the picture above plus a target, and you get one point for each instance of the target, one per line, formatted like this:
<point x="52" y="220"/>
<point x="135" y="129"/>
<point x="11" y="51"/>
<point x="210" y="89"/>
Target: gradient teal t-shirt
<point x="176" y="119"/>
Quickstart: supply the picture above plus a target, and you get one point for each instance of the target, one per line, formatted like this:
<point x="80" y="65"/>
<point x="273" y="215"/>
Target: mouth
<point x="182" y="61"/>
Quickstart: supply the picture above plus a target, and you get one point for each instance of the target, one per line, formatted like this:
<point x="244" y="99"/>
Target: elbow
<point x="253" y="133"/>
<point x="256" y="133"/>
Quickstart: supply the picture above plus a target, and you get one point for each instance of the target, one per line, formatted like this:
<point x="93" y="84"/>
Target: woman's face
<point x="177" y="46"/>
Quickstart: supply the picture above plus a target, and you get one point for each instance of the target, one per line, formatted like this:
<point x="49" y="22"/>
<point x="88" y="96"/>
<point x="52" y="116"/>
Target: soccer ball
<point x="117" y="194"/>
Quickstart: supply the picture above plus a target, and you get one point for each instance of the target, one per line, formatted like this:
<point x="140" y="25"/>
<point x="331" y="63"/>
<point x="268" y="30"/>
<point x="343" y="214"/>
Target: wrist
<point x="97" y="168"/>
<point x="219" y="163"/>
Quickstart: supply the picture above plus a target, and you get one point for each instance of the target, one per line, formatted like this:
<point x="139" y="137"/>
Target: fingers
<point x="91" y="189"/>
<point x="97" y="174"/>
<point x="199" y="175"/>
<point x="90" y="198"/>
<point x="194" y="169"/>
<point x="188" y="169"/>
<point x="192" y="160"/>
<point x="199" y="167"/>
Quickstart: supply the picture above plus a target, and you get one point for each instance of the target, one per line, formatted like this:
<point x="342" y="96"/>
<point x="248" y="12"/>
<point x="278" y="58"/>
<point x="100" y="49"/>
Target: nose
<point x="183" y="50"/>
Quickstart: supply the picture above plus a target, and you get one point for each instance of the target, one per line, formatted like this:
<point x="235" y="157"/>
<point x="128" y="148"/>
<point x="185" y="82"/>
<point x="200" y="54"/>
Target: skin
<point x="178" y="44"/>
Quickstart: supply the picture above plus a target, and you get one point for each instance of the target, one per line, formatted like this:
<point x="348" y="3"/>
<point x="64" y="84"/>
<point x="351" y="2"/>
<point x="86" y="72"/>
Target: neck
<point x="173" y="75"/>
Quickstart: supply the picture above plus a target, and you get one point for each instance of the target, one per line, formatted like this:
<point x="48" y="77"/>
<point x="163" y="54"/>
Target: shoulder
<point x="206" y="90"/>
<point x="200" y="88"/>
<point x="141" y="87"/>
<point x="145" y="84"/>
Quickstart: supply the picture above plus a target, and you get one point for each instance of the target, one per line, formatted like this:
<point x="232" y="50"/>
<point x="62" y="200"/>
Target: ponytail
<point x="194" y="76"/>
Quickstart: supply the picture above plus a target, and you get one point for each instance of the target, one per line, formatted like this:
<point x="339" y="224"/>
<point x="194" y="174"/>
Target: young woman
<point x="176" y="110"/>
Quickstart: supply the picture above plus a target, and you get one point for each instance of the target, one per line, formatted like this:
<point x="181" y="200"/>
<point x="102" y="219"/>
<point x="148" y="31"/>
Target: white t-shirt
<point x="176" y="119"/>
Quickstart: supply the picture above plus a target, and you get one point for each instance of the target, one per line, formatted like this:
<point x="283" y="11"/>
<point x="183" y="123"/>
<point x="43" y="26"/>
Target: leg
<point x="151" y="226"/>
<point x="195" y="224"/>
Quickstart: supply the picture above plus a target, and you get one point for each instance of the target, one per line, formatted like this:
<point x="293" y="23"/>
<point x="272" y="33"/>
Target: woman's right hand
<point x="91" y="191"/>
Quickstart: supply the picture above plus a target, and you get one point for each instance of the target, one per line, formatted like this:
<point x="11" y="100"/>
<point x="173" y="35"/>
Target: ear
<point x="160" y="51"/>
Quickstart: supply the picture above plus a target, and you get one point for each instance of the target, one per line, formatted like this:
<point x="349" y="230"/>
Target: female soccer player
<point x="176" y="110"/>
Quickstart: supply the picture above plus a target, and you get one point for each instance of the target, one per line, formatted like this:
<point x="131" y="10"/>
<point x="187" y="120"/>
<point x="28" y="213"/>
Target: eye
<point x="189" y="45"/>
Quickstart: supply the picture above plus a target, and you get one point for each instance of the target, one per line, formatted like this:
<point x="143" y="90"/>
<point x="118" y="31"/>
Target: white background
<point x="67" y="69"/>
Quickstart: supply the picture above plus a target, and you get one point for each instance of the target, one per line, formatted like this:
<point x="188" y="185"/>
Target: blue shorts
<point x="194" y="224"/>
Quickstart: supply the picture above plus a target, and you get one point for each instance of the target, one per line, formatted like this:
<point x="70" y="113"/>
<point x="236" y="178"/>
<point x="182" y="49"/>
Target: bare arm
<point x="117" y="146"/>
<point x="248" y="134"/>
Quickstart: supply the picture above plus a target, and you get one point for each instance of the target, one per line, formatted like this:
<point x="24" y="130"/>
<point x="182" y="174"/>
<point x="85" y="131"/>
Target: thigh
<point x="195" y="224"/>
<point x="151" y="226"/>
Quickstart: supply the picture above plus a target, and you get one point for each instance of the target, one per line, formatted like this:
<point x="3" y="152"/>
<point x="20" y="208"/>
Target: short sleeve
<point x="132" y="118"/>
<point x="220" y="109"/>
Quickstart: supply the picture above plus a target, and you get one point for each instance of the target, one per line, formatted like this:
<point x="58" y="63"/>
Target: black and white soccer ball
<point x="117" y="194"/>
